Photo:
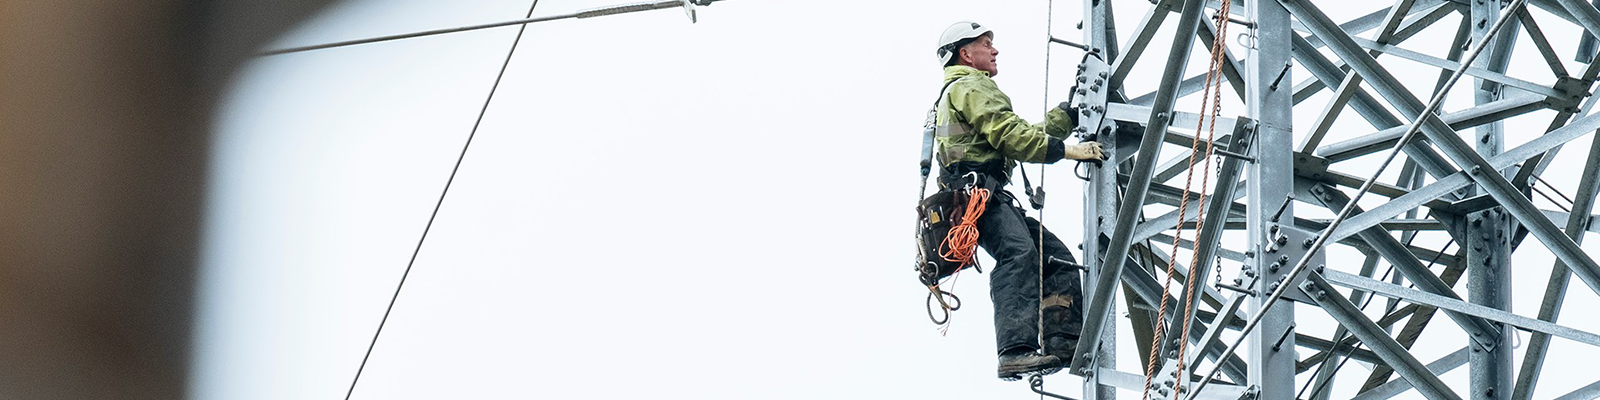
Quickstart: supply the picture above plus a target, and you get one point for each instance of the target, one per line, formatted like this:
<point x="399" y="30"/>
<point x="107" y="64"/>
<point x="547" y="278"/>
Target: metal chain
<point x="1218" y="54"/>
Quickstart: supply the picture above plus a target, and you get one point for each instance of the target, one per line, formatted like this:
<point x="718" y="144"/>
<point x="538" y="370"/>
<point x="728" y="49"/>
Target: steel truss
<point x="1456" y="182"/>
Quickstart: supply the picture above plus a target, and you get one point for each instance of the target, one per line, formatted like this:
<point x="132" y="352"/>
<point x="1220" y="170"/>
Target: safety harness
<point x="947" y="230"/>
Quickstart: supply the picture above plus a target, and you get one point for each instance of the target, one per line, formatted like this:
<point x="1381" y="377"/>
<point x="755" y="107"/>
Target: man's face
<point x="981" y="54"/>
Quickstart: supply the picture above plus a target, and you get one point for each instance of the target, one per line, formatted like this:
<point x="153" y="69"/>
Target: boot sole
<point x="1012" y="376"/>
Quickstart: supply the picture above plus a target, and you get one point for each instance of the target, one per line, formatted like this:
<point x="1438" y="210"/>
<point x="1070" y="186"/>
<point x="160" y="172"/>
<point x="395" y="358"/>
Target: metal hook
<point x="1246" y="39"/>
<point x="1036" y="383"/>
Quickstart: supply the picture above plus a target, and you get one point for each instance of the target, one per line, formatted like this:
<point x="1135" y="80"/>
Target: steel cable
<point x="437" y="205"/>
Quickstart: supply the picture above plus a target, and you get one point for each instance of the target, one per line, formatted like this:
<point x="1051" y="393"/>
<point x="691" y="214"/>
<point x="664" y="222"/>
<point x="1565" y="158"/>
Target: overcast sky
<point x="655" y="208"/>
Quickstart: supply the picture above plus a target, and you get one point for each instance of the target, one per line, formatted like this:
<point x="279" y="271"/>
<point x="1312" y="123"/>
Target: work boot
<point x="1014" y="365"/>
<point x="1061" y="347"/>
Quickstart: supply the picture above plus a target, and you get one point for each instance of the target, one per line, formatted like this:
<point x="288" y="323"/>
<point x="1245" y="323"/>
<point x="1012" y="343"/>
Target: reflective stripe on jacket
<point x="976" y="123"/>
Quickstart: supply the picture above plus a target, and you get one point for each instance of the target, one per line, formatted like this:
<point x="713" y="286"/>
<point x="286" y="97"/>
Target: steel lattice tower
<point x="1456" y="206"/>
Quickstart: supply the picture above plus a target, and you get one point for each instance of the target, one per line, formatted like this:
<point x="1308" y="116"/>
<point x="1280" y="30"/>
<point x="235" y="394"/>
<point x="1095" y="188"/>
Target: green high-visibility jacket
<point x="975" y="122"/>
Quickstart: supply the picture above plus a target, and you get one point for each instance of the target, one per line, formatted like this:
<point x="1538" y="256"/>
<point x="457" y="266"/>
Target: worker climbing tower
<point x="1379" y="194"/>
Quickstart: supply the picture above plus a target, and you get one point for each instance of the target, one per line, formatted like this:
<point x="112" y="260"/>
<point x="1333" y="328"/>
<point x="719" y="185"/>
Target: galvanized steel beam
<point x="1098" y="311"/>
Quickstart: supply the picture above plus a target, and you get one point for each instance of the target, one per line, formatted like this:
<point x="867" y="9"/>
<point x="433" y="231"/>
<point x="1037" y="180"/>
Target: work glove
<point x="1086" y="151"/>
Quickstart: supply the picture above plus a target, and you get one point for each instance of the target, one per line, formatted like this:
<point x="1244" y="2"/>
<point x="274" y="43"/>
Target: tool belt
<point x="938" y="213"/>
<point x="944" y="210"/>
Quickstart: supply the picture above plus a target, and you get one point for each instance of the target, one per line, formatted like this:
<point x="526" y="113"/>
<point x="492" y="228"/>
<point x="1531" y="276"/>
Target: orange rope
<point x="961" y="244"/>
<point x="962" y="241"/>
<point x="1211" y="96"/>
<point x="1218" y="47"/>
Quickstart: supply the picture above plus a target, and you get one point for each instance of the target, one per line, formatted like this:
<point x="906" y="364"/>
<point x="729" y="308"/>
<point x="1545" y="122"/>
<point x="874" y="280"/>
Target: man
<point x="980" y="139"/>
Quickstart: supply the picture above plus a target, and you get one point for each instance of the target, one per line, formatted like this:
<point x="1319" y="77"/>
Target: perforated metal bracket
<point x="1089" y="97"/>
<point x="1282" y="247"/>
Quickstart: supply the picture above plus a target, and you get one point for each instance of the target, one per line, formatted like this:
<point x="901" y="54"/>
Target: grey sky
<point x="650" y="208"/>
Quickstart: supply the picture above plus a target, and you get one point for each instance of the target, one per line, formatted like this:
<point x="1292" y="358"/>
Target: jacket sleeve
<point x="989" y="113"/>
<point x="1058" y="123"/>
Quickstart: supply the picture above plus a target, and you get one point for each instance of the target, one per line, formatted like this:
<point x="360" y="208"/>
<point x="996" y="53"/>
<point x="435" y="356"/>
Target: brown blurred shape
<point x="105" y="119"/>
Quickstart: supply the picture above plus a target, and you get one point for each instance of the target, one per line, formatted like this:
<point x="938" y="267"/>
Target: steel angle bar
<point x="1444" y="186"/>
<point x="1368" y="107"/>
<point x="1324" y="376"/>
<point x="1098" y="310"/>
<point x="1375" y="19"/>
<point x="1470" y="117"/>
<point x="1554" y="7"/>
<point x="1351" y="181"/>
<point x="1230" y="70"/>
<point x="1325" y="346"/>
<point x="1445" y="303"/>
<point x="1450" y="143"/>
<point x="1391" y="21"/>
<point x="1395" y="387"/>
<point x="1420" y="317"/>
<point x="1591" y="224"/>
<point x="1403" y="224"/>
<point x="1188" y="86"/>
<point x="1168" y="195"/>
<point x="1563" y="117"/>
<point x="1587" y="392"/>
<point x="1135" y="382"/>
<point x="1171" y="168"/>
<point x="1542" y="43"/>
<point x="1230" y="65"/>
<point x="1178" y="119"/>
<point x="1330" y="112"/>
<point x="1140" y="41"/>
<point x="1555" y="292"/>
<point x="1452" y="66"/>
<point x="1230" y="255"/>
<point x="1376" y="338"/>
<point x="1351" y="81"/>
<point x="1407" y="263"/>
<point x="1416" y="24"/>
<point x="1583" y="13"/>
<point x="1213" y="337"/>
<point x="1435" y="256"/>
<point x="1146" y="287"/>
<point x="1165" y="222"/>
<point x="1210" y="296"/>
<point x="1207" y="238"/>
<point x="1100" y="195"/>
<point x="1307" y="88"/>
<point x="1364" y="23"/>
<point x="1458" y="46"/>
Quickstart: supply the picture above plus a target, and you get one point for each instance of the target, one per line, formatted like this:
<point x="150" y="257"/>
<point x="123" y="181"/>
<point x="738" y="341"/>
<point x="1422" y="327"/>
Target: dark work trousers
<point x="1012" y="238"/>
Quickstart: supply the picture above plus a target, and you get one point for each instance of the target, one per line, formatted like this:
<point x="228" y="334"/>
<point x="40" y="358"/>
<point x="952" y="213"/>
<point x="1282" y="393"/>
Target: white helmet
<point x="957" y="33"/>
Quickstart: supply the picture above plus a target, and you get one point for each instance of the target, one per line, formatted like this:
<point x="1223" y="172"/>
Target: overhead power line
<point x="687" y="5"/>
<point x="438" y="204"/>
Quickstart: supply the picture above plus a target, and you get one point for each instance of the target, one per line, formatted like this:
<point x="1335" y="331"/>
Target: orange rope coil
<point x="962" y="241"/>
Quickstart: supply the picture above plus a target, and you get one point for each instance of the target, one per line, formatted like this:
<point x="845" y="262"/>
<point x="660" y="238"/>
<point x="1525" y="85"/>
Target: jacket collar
<point x="958" y="71"/>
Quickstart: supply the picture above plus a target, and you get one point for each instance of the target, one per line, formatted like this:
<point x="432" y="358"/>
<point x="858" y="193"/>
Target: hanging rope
<point x="1210" y="102"/>
<point x="962" y="242"/>
<point x="1049" y="30"/>
<point x="960" y="246"/>
<point x="439" y="204"/>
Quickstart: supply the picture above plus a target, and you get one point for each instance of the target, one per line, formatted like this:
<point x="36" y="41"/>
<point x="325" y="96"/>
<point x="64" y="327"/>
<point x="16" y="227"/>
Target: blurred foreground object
<point x="103" y="154"/>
